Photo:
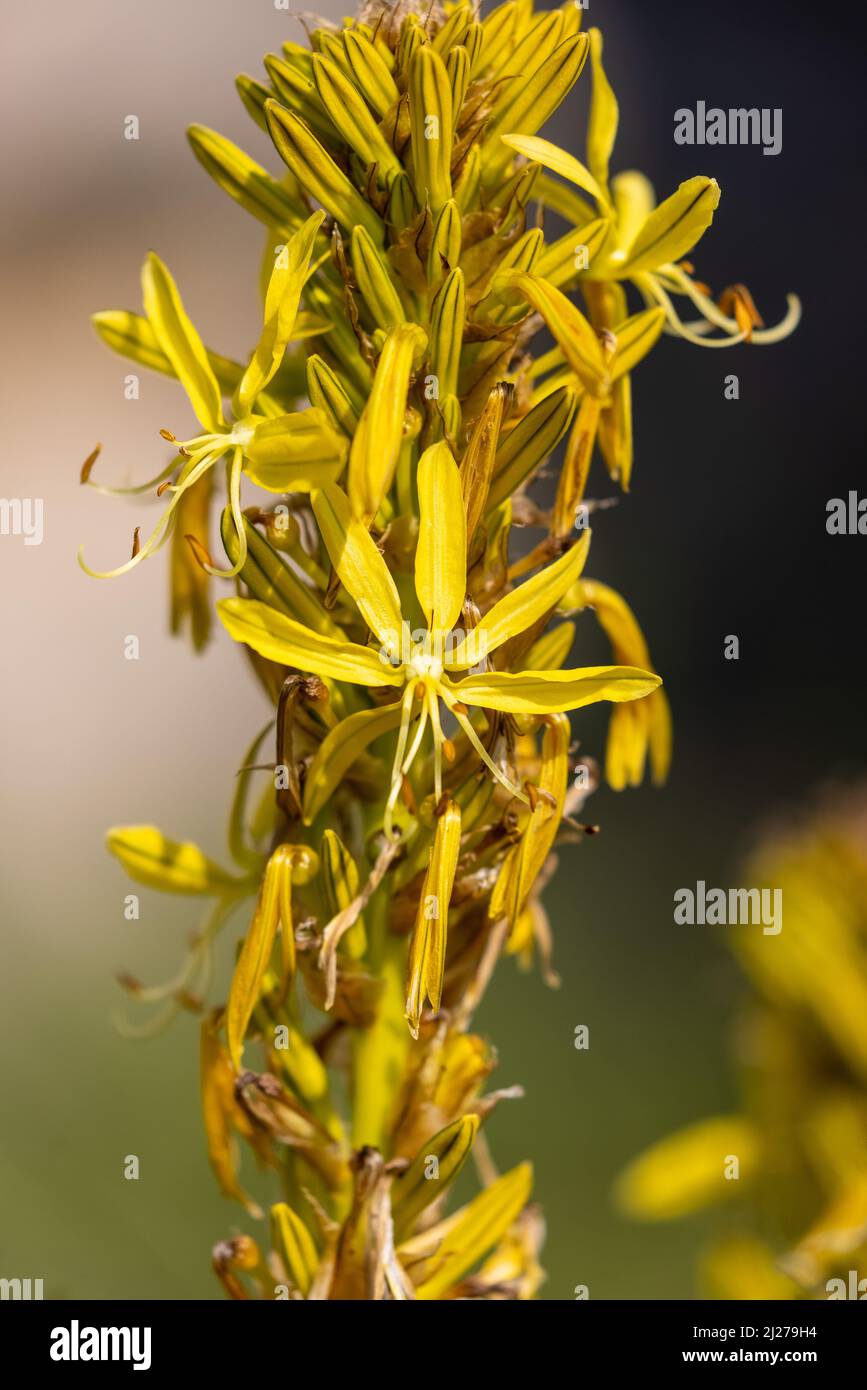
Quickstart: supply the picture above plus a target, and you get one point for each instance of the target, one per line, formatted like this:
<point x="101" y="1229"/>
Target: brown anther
<point x="738" y="303"/>
<point x="167" y="434"/>
<point x="87" y="466"/>
<point x="419" y="692"/>
<point x="449" y="750"/>
<point x="460" y="708"/>
<point x="136" y="542"/>
<point x="533" y="794"/>
<point x="129" y="983"/>
<point x="162" y="487"/>
<point x="184" y="453"/>
<point x="189" y="1001"/>
<point x="687" y="266"/>
<point x="442" y="805"/>
<point x="407" y="796"/>
<point x="200" y="554"/>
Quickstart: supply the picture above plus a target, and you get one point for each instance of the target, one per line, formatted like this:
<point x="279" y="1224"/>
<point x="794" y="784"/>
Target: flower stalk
<point x="414" y="648"/>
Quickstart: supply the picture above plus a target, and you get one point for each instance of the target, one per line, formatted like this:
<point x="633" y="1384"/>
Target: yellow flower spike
<point x="684" y="1172"/>
<point x="181" y="343"/>
<point x="475" y="1229"/>
<point x="418" y="1186"/>
<point x="440" y="558"/>
<point x="375" y="283"/>
<point x="414" y="130"/>
<point x="371" y="72"/>
<point x="317" y="172"/>
<point x="431" y="127"/>
<point x="376" y="444"/>
<point x="295" y="1246"/>
<point x="352" y="118"/>
<point x="281" y="309"/>
<point x="426" y="962"/>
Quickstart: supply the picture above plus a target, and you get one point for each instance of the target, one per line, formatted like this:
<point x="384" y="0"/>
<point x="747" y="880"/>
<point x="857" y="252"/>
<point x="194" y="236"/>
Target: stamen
<point x="483" y="752"/>
<point x="396" y="775"/>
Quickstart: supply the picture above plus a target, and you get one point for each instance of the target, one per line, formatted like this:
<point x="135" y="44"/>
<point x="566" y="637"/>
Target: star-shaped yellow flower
<point x="424" y="664"/>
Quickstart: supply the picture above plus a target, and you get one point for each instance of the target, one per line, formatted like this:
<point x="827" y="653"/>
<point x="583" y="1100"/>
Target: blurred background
<point x="723" y="533"/>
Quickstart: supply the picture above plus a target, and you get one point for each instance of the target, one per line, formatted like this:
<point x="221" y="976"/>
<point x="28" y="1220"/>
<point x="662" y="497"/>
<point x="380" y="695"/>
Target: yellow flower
<point x="421" y="663"/>
<point x="279" y="452"/>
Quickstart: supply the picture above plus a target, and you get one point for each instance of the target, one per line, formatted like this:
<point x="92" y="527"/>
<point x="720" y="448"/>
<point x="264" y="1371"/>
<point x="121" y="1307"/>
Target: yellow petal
<point x="674" y="227"/>
<point x="243" y="179"/>
<point x="173" y="867"/>
<point x="376" y="444"/>
<point x="523" y="607"/>
<point x="253" y="960"/>
<point x="557" y="160"/>
<point x="294" y="1244"/>
<point x="538" y="838"/>
<point x="571" y="330"/>
<point x="295" y="453"/>
<point x="476" y="1228"/>
<point x="424" y="1182"/>
<point x="635" y="337"/>
<point x="431" y="127"/>
<point x="281" y="307"/>
<point x="181" y="343"/>
<point x="362" y="570"/>
<point x="550" y="692"/>
<point x="530" y="442"/>
<point x="604" y="115"/>
<point x="375" y="282"/>
<point x="440" y="558"/>
<point x="340" y="749"/>
<point x="280" y="639"/>
<point x="218" y="1107"/>
<point x="426" y="962"/>
<point x="317" y="172"/>
<point x="684" y="1172"/>
<point x="351" y="116"/>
